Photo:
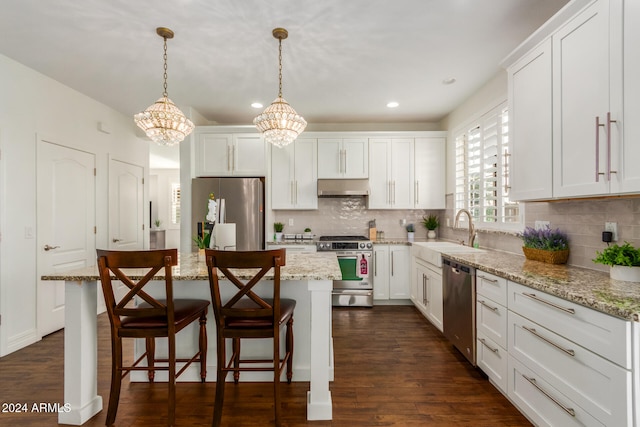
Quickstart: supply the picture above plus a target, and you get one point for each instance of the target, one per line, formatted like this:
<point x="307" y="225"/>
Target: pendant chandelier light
<point x="163" y="122"/>
<point x="279" y="122"/>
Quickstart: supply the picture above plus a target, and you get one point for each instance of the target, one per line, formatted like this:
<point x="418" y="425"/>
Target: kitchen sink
<point x="432" y="251"/>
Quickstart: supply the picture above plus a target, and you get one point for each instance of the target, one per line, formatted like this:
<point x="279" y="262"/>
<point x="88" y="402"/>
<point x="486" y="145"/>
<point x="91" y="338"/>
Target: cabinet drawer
<point x="543" y="404"/>
<point x="491" y="286"/>
<point x="491" y="319"/>
<point x="596" y="384"/>
<point x="492" y="359"/>
<point x="605" y="335"/>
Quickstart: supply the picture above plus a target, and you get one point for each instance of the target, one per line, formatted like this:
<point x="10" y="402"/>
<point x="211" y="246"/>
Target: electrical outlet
<point x="613" y="228"/>
<point x="290" y="222"/>
<point x="539" y="225"/>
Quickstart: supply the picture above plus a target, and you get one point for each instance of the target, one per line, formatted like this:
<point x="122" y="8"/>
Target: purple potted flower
<point x="546" y="245"/>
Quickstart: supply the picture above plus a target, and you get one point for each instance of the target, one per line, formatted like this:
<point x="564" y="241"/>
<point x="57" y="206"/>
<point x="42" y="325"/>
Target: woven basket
<point x="550" y="257"/>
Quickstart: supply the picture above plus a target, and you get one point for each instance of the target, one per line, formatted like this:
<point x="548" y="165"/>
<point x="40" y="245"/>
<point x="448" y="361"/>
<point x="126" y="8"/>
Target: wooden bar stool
<point x="247" y="315"/>
<point x="139" y="315"/>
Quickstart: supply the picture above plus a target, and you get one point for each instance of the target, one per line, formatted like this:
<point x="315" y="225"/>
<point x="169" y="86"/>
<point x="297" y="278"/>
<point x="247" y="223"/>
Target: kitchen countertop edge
<point x="590" y="288"/>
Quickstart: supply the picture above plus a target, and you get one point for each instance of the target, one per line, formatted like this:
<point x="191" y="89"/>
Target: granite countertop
<point x="590" y="288"/>
<point x="307" y="266"/>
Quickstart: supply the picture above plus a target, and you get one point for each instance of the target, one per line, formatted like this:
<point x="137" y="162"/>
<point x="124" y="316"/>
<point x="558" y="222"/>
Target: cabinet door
<point x="628" y="173"/>
<point x="434" y="298"/>
<point x="282" y="177"/>
<point x="530" y="125"/>
<point x="381" y="272"/>
<point x="380" y="179"/>
<point x="402" y="173"/>
<point x="399" y="279"/>
<point x="306" y="174"/>
<point x="356" y="158"/>
<point x="213" y="154"/>
<point x="419" y="288"/>
<point x="329" y="158"/>
<point x="429" y="173"/>
<point x="249" y="154"/>
<point x="581" y="58"/>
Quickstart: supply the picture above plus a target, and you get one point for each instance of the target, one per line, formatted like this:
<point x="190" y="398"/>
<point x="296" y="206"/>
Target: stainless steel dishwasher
<point x="459" y="307"/>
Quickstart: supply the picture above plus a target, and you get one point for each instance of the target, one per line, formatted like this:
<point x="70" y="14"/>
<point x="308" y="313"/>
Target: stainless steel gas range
<point x="355" y="255"/>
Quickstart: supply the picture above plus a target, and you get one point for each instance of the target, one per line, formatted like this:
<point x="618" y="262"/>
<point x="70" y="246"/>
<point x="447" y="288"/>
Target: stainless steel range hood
<point x="343" y="187"/>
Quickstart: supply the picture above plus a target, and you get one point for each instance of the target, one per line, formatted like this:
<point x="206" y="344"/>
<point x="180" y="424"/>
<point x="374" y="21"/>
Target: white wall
<point x="31" y="104"/>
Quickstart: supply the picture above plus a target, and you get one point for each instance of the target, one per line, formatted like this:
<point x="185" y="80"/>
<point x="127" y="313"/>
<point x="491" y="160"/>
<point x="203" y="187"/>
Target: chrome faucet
<point x="472" y="229"/>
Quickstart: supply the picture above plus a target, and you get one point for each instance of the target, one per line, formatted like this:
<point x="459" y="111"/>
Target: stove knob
<point x="369" y="245"/>
<point x="361" y="245"/>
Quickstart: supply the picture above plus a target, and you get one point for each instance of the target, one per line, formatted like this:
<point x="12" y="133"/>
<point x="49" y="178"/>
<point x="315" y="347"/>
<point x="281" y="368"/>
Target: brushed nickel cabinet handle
<point x="494" y="309"/>
<point x="534" y="383"/>
<point x="609" y="121"/>
<point x="549" y="303"/>
<point x="598" y="173"/>
<point x="484" y="343"/>
<point x="548" y="341"/>
<point x="488" y="279"/>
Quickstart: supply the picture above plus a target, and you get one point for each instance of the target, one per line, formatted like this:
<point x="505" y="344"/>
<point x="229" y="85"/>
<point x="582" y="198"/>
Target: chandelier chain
<point x="165" y="68"/>
<point x="280" y="67"/>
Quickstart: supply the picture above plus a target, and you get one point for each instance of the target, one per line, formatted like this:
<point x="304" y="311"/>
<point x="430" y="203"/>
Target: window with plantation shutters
<point x="482" y="170"/>
<point x="175" y="203"/>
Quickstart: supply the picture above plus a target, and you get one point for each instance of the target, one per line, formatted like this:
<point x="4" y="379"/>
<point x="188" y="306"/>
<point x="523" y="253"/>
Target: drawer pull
<point x="559" y="347"/>
<point x="495" y="350"/>
<point x="534" y="383"/>
<point x="494" y="309"/>
<point x="534" y="297"/>
<point x="488" y="279"/>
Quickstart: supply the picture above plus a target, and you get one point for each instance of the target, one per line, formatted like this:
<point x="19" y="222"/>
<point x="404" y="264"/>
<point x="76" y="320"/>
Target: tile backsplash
<point x="349" y="215"/>
<point x="582" y="220"/>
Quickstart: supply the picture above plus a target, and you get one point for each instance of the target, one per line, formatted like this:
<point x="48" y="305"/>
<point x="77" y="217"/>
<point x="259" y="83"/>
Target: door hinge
<point x="95" y="230"/>
<point x="143" y="226"/>
<point x="94" y="171"/>
<point x="142" y="181"/>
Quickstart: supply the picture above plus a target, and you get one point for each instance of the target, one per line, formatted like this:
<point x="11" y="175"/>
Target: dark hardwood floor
<point x="392" y="369"/>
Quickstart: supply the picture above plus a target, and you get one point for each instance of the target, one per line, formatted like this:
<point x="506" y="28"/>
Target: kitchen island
<point x="307" y="278"/>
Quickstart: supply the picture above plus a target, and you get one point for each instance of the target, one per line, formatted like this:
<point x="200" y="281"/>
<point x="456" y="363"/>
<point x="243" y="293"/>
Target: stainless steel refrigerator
<point x="244" y="206"/>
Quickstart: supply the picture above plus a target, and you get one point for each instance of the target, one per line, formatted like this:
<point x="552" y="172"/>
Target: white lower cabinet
<point x="426" y="292"/>
<point x="568" y="364"/>
<point x="391" y="266"/>
<point x="542" y="403"/>
<point x="491" y="327"/>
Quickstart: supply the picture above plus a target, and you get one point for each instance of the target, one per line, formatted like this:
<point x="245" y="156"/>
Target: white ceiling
<point x="343" y="60"/>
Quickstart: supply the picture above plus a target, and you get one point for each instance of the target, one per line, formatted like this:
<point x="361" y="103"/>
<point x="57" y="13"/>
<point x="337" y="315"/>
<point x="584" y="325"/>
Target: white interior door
<point x="126" y="206"/>
<point x="65" y="221"/>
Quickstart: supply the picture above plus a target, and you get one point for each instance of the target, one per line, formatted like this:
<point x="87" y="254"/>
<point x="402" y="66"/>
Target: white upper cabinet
<point x="237" y="154"/>
<point x="407" y="173"/>
<point x="530" y="120"/>
<point x="582" y="80"/>
<point x="429" y="173"/>
<point x="594" y="107"/>
<point x="343" y="158"/>
<point x="626" y="157"/>
<point x="294" y="176"/>
<point x="391" y="183"/>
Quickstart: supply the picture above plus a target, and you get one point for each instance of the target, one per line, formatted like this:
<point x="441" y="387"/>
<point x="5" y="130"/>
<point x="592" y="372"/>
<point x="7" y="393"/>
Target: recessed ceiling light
<point x="257" y="105"/>
<point x="449" y="81"/>
<point x="392" y="104"/>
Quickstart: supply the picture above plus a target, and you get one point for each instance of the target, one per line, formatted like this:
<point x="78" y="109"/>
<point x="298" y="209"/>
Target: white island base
<point x="307" y="278"/>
